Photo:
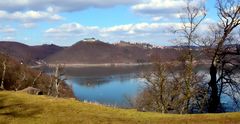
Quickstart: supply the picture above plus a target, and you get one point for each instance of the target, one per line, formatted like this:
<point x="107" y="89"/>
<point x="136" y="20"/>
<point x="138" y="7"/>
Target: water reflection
<point x="89" y="82"/>
<point x="111" y="85"/>
<point x="105" y="85"/>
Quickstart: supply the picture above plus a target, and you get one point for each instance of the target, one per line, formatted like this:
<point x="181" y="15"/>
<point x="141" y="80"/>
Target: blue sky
<point x="65" y="22"/>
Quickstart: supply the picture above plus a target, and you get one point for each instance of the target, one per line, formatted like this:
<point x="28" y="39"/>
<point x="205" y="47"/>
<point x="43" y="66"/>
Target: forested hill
<point x="97" y="52"/>
<point x="27" y="54"/>
<point x="88" y="52"/>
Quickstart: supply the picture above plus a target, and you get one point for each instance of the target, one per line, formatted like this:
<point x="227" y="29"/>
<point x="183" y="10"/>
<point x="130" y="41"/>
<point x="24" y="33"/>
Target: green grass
<point x="21" y="108"/>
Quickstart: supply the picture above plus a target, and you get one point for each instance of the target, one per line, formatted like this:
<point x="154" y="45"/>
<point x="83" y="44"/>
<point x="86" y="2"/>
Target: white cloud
<point x="156" y="33"/>
<point x="159" y="8"/>
<point x="30" y="11"/>
<point x="155" y="6"/>
<point x="7" y="38"/>
<point x="137" y="29"/>
<point x="149" y="32"/>
<point x="60" y="5"/>
<point x="29" y="16"/>
<point x="157" y="18"/>
<point x="7" y="33"/>
<point x="29" y="25"/>
<point x="163" y="9"/>
<point x="7" y="29"/>
<point x="71" y="28"/>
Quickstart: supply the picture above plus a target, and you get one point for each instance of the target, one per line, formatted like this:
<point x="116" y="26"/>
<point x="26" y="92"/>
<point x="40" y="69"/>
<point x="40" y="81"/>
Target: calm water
<point x="113" y="85"/>
<point x="106" y="85"/>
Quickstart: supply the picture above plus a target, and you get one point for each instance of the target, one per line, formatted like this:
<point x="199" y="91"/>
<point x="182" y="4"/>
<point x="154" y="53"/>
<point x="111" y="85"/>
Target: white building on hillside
<point x="89" y="40"/>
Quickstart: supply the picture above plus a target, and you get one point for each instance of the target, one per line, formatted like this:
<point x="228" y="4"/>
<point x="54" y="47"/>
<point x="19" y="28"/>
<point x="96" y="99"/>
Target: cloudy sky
<point x="64" y="22"/>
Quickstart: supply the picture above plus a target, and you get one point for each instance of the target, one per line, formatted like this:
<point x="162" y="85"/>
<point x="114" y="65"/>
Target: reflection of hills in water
<point x="101" y="80"/>
<point x="96" y="76"/>
<point x="104" y="71"/>
<point x="90" y="82"/>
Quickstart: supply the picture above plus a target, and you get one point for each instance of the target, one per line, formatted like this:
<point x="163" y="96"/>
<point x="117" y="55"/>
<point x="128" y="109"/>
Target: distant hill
<point x="43" y="51"/>
<point x="88" y="52"/>
<point x="27" y="54"/>
<point x="100" y="52"/>
<point x="16" y="50"/>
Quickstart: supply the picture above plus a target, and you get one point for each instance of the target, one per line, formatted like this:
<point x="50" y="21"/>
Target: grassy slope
<point x="23" y="108"/>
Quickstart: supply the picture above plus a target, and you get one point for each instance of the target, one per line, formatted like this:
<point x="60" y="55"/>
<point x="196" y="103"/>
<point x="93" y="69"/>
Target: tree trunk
<point x="57" y="80"/>
<point x="214" y="100"/>
<point x="34" y="81"/>
<point x="3" y="74"/>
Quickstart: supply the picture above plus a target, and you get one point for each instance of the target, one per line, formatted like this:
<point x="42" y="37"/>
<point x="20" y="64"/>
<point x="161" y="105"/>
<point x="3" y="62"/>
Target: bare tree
<point x="20" y="81"/>
<point x="186" y="94"/>
<point x="221" y="56"/>
<point x="223" y="49"/>
<point x="165" y="91"/>
<point x="156" y="86"/>
<point x="50" y="87"/>
<point x="56" y="80"/>
<point x="229" y="15"/>
<point x="188" y="32"/>
<point x="36" y="78"/>
<point x="3" y="73"/>
<point x="156" y="95"/>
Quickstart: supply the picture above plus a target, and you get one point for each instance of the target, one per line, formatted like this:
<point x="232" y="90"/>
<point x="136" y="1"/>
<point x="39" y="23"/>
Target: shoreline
<point x="94" y="65"/>
<point x="81" y="65"/>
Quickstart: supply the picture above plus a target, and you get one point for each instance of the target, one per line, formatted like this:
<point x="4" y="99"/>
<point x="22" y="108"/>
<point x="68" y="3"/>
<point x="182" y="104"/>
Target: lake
<point x="106" y="85"/>
<point x="113" y="85"/>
